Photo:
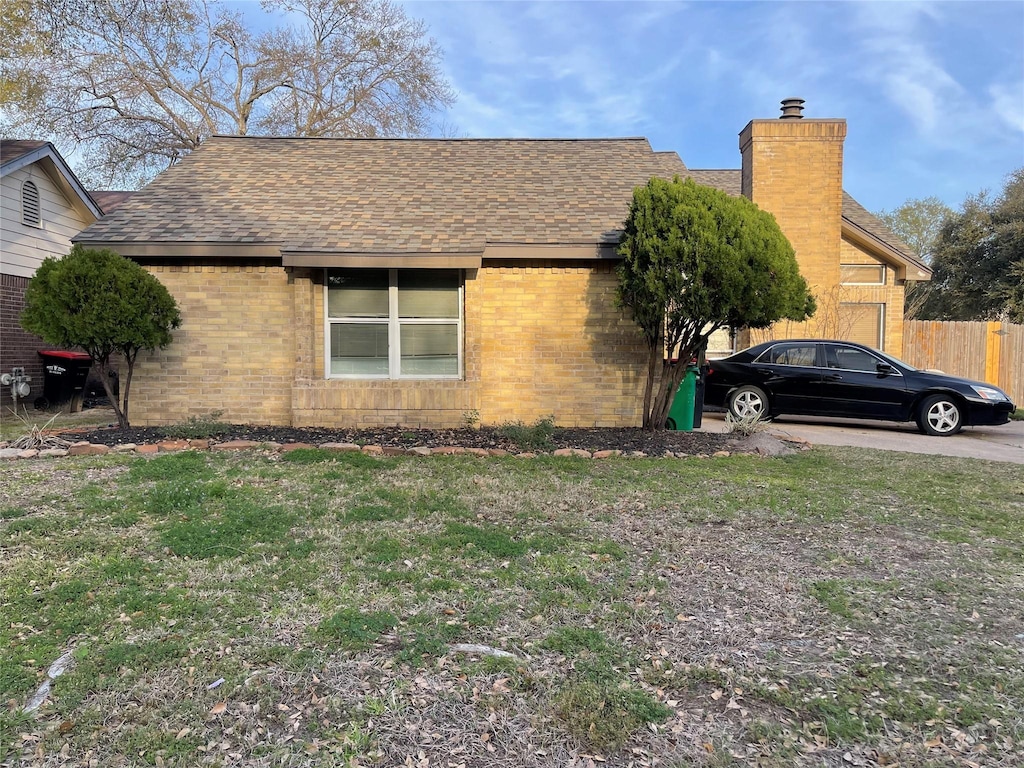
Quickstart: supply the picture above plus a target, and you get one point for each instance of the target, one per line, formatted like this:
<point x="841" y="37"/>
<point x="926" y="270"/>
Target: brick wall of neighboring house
<point x="541" y="338"/>
<point x="17" y="346"/>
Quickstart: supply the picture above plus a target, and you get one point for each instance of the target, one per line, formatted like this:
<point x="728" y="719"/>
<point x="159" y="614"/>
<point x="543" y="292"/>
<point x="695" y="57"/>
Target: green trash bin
<point x="680" y="415"/>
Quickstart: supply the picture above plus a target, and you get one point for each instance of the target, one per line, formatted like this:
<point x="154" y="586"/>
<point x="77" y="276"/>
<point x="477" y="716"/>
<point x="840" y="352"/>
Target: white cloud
<point x="1008" y="104"/>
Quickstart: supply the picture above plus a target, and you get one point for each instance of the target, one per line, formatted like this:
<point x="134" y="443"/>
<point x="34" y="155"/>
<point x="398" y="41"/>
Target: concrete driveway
<point x="1002" y="443"/>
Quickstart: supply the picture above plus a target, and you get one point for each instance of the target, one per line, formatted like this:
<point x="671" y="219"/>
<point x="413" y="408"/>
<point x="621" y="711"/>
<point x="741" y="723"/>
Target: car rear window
<point x="789" y="354"/>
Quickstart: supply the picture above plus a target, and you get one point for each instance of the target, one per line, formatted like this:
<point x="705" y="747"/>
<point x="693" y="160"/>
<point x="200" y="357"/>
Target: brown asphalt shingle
<point x="729" y="181"/>
<point x="109" y="199"/>
<point x="390" y="195"/>
<point x="406" y="195"/>
<point x="12" y="149"/>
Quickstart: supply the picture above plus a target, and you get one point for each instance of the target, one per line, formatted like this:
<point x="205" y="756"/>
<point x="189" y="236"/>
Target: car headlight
<point x="989" y="393"/>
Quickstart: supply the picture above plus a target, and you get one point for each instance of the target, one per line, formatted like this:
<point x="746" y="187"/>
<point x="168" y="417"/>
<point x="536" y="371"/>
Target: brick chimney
<point x="793" y="167"/>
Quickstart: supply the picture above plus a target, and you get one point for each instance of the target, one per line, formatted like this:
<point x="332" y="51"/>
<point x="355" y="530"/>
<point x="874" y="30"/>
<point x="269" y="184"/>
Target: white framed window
<point x="862" y="274"/>
<point x="393" y="323"/>
<point x="30" y="212"/>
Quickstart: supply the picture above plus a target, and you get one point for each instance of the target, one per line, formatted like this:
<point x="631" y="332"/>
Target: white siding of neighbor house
<point x="23" y="247"/>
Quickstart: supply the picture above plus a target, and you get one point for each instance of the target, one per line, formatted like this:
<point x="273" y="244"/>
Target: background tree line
<point x="976" y="254"/>
<point x="134" y="85"/>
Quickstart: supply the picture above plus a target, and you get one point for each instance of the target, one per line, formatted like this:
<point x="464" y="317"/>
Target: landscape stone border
<point x="84" y="448"/>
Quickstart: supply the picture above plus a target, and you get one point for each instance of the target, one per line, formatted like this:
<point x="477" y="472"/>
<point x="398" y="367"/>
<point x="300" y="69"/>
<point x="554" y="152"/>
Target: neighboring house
<point x="424" y="282"/>
<point x="42" y="205"/>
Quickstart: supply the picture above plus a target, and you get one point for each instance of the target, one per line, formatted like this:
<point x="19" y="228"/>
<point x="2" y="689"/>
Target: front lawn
<point x="835" y="607"/>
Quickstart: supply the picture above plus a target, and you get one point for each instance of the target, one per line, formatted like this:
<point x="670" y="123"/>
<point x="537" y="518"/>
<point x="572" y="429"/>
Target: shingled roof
<point x="109" y="199"/>
<point x="855" y="216"/>
<point x="273" y="196"/>
<point x="12" y="149"/>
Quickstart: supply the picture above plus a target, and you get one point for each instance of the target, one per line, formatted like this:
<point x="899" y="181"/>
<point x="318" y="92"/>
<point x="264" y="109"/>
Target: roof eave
<point x="907" y="267"/>
<point x="184" y="250"/>
<point x="60" y="173"/>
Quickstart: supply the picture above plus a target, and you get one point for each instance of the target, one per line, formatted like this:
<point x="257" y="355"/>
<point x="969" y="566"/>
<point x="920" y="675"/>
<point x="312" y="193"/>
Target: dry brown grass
<point x="829" y="608"/>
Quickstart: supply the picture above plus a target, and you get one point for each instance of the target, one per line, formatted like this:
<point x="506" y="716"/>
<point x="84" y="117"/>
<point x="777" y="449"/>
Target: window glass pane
<point x="430" y="350"/>
<point x="851" y="359"/>
<point x="428" y="293"/>
<point x="357" y="293"/>
<point x="863" y="274"/>
<point x="789" y="354"/>
<point x="359" y="349"/>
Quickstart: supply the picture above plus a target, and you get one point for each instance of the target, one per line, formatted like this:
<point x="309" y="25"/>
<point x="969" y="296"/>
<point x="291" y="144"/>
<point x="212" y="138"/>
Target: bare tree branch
<point x="135" y="85"/>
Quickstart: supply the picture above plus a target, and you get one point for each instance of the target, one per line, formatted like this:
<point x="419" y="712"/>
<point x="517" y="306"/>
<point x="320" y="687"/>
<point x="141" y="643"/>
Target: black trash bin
<point x="64" y="378"/>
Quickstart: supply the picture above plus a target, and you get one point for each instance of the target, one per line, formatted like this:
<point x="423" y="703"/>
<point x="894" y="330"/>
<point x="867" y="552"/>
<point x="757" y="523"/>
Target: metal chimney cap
<point x="792" y="109"/>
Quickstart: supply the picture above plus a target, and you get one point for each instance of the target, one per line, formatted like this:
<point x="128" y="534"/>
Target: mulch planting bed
<point x="590" y="439"/>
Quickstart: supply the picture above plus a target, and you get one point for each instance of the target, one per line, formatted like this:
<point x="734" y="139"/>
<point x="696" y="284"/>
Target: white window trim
<point x="394" y="324"/>
<point x="883" y="281"/>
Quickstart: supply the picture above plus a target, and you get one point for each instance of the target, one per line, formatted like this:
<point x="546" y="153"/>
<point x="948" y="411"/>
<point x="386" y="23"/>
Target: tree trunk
<point x="104" y="368"/>
<point x="130" y="360"/>
<point x="671" y="376"/>
<point x="652" y="364"/>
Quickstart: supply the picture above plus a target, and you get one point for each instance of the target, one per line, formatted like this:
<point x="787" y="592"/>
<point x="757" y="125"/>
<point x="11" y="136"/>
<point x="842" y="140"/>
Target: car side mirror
<point x="884" y="369"/>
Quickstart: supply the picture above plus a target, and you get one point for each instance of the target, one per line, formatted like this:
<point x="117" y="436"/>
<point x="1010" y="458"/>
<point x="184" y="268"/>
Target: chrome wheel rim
<point x="943" y="416"/>
<point x="748" y="405"/>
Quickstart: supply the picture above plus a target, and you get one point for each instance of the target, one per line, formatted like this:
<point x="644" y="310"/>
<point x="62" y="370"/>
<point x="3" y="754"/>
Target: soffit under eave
<point x="147" y="250"/>
<point x="906" y="268"/>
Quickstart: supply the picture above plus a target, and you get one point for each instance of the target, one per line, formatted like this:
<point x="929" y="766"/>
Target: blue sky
<point x="933" y="93"/>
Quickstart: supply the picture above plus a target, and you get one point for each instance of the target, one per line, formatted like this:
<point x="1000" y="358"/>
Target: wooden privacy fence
<point x="992" y="352"/>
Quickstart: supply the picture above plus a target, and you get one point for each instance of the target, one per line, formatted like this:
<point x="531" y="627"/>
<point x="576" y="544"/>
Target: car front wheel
<point x="940" y="416"/>
<point x="748" y="402"/>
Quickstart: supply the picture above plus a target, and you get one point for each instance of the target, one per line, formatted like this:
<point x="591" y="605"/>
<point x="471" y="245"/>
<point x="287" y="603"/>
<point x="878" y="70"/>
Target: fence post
<point x="993" y="351"/>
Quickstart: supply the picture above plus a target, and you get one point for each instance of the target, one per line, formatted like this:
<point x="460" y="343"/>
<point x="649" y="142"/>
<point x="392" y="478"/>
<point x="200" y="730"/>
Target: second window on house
<point x="394" y="323"/>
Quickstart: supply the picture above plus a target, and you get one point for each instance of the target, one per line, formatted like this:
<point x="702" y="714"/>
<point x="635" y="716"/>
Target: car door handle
<point x="833" y="377"/>
<point x="764" y="371"/>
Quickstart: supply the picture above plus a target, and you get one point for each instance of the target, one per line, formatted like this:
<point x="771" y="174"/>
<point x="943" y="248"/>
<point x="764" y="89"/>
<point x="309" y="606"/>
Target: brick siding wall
<point x="541" y="338"/>
<point x="17" y="346"/>
<point x="233" y="353"/>
<point x="552" y="342"/>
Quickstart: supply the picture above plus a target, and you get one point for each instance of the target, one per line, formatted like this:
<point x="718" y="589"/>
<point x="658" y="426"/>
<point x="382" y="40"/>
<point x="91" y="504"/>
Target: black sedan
<point x="839" y="378"/>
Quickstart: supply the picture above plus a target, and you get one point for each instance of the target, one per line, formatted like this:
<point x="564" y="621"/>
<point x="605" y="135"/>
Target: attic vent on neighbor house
<point x="30" y="204"/>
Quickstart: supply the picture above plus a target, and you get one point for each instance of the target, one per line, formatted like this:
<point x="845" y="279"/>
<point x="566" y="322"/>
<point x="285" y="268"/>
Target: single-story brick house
<point x="42" y="205"/>
<point x="343" y="282"/>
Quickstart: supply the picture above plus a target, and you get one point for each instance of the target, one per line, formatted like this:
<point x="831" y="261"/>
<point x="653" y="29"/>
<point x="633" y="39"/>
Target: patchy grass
<point x="14" y="425"/>
<point x="828" y="608"/>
